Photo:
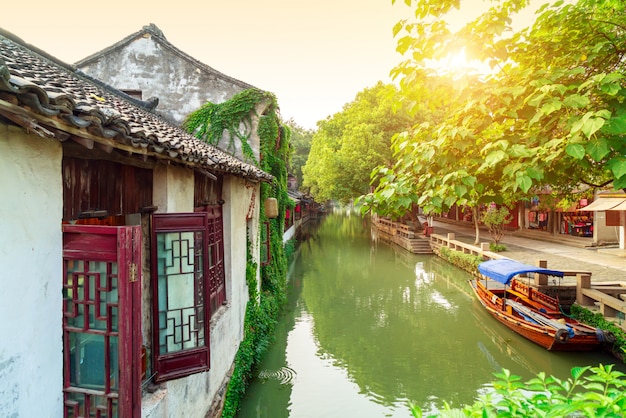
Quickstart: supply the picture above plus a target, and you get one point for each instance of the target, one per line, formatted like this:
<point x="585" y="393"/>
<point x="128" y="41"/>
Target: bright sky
<point x="314" y="55"/>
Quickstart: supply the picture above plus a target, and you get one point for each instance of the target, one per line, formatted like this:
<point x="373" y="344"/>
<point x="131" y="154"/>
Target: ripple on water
<point x="284" y="375"/>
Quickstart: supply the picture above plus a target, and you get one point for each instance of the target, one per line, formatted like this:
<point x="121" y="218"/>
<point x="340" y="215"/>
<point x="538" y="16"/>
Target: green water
<point x="369" y="328"/>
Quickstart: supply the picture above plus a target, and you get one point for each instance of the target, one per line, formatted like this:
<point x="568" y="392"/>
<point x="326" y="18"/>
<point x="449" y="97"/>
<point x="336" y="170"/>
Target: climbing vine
<point x="234" y="119"/>
<point x="231" y="119"/>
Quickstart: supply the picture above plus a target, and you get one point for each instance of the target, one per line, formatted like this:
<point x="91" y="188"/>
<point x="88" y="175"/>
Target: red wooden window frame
<point x="216" y="269"/>
<point x="102" y="304"/>
<point x="195" y="357"/>
<point x="215" y="257"/>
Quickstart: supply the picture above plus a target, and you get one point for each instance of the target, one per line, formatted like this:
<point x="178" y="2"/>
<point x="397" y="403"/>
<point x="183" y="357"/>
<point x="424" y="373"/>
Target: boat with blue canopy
<point x="532" y="314"/>
<point x="505" y="269"/>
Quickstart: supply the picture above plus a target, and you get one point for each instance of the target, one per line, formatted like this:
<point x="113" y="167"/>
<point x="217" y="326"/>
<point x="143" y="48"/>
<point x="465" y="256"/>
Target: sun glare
<point x="457" y="64"/>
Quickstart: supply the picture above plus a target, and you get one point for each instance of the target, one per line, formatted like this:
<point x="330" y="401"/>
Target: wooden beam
<point x="87" y="143"/>
<point x="72" y="149"/>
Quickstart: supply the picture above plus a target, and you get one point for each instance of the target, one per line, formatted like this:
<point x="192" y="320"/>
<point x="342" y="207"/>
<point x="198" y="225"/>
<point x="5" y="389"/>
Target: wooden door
<point x="102" y="321"/>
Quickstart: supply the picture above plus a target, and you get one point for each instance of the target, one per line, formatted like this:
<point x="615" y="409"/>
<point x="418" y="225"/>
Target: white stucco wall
<point x="192" y="396"/>
<point x="601" y="232"/>
<point x="31" y="361"/>
<point x="238" y="195"/>
<point x="173" y="189"/>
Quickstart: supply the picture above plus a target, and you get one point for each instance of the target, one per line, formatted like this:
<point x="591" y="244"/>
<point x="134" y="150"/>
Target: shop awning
<point x="621" y="206"/>
<point x="606" y="203"/>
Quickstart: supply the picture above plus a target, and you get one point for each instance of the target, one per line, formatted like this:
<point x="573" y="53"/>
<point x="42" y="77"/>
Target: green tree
<point x="573" y="116"/>
<point x="348" y="145"/>
<point x="301" y="139"/>
<point x="438" y="160"/>
<point x="495" y="218"/>
<point x="551" y="114"/>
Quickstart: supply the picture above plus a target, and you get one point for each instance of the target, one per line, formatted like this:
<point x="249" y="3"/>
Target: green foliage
<point x="300" y="147"/>
<point x="262" y="309"/>
<point x="598" y="320"/>
<point x="259" y="324"/>
<point x="348" y="145"/>
<point x="495" y="218"/>
<point x="552" y="113"/>
<point x="438" y="161"/>
<point x="290" y="248"/>
<point x="467" y="262"/>
<point x="496" y="248"/>
<point x="590" y="392"/>
<point x="234" y="118"/>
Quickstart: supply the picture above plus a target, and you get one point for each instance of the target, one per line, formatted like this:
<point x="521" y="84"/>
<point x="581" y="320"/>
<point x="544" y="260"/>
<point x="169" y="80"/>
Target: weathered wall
<point x="181" y="84"/>
<point x="241" y="198"/>
<point x="173" y="189"/>
<point x="159" y="72"/>
<point x="31" y="361"/>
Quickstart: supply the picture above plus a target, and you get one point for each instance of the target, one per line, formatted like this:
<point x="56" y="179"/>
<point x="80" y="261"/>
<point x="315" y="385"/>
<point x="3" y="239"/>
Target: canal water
<point x="369" y="327"/>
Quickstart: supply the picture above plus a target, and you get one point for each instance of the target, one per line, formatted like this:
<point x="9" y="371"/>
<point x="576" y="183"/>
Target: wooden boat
<point x="532" y="314"/>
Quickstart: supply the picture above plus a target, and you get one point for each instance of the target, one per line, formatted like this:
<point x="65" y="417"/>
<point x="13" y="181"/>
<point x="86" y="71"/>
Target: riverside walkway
<point x="605" y="264"/>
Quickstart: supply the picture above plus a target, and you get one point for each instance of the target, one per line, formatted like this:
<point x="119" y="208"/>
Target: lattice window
<point x="181" y="290"/>
<point x="179" y="256"/>
<point x="215" y="257"/>
<point x="101" y="326"/>
<point x="91" y="337"/>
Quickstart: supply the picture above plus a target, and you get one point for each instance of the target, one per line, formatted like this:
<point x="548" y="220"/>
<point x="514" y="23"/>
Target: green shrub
<point x="263" y="307"/>
<point x="467" y="262"/>
<point x="598" y="320"/>
<point x="496" y="248"/>
<point x="599" y="393"/>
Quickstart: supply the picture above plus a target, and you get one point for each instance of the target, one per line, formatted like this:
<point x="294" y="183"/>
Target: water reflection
<point x="369" y="327"/>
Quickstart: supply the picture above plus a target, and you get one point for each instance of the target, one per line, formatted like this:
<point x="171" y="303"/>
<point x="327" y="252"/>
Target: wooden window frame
<point x="216" y="266"/>
<point x="185" y="361"/>
<point x="117" y="394"/>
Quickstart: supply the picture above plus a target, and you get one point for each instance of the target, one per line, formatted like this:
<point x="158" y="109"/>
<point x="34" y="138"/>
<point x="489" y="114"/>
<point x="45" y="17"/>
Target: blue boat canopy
<point x="505" y="269"/>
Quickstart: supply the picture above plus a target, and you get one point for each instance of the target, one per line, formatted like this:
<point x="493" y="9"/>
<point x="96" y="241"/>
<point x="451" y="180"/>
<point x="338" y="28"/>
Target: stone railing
<point x="437" y="241"/>
<point x="610" y="297"/>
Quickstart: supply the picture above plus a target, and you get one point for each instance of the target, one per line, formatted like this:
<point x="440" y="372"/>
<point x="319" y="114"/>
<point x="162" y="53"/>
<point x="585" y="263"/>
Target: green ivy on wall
<point x="231" y="119"/>
<point x="234" y="118"/>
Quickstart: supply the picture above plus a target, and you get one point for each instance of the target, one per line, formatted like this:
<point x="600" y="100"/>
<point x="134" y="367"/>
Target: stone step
<point x="420" y="246"/>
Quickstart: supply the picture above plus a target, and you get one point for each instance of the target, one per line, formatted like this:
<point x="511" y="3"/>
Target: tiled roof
<point x="52" y="99"/>
<point x="158" y="36"/>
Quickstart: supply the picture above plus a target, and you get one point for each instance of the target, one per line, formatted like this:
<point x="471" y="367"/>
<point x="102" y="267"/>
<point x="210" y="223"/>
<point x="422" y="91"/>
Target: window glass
<point x="180" y="291"/>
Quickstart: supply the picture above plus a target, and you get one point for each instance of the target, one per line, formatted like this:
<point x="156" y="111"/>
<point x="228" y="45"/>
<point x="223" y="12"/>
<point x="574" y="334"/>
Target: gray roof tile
<point x="45" y="86"/>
